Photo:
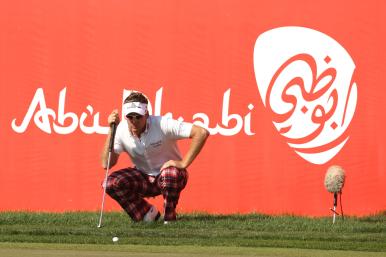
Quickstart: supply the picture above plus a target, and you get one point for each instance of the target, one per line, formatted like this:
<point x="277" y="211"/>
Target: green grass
<point x="119" y="250"/>
<point x="245" y="231"/>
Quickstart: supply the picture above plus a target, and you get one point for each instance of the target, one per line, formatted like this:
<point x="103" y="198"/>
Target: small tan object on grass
<point x="334" y="180"/>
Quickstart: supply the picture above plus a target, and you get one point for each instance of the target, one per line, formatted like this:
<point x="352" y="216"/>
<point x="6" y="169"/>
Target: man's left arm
<point x="198" y="137"/>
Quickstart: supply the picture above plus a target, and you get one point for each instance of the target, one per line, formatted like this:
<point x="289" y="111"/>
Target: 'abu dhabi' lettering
<point x="42" y="116"/>
<point x="65" y="122"/>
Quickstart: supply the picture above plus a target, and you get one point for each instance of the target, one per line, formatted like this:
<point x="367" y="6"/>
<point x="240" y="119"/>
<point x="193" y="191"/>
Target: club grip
<point x="113" y="130"/>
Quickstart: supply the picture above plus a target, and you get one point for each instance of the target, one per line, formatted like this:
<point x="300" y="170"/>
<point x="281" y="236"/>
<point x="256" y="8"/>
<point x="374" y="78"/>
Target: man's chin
<point x="135" y="130"/>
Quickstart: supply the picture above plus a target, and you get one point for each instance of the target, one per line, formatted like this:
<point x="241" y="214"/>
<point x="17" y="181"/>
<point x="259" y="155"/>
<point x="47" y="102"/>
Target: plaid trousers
<point x="129" y="187"/>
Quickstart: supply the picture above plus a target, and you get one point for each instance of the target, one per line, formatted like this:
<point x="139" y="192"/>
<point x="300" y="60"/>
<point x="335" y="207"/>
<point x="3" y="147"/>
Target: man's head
<point x="135" y="111"/>
<point x="136" y="96"/>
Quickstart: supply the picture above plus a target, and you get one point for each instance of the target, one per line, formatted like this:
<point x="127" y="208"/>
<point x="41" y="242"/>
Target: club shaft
<point x="104" y="190"/>
<point x="111" y="146"/>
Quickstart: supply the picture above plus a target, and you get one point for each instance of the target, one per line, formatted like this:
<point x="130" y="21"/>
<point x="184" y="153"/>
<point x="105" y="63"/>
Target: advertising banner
<point x="285" y="88"/>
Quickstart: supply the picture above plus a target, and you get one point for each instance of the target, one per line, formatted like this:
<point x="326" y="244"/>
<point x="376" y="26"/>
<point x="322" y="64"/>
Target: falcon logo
<point x="305" y="80"/>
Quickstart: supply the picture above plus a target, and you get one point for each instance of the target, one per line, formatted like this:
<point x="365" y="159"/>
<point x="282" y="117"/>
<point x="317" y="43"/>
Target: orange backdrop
<point x="82" y="55"/>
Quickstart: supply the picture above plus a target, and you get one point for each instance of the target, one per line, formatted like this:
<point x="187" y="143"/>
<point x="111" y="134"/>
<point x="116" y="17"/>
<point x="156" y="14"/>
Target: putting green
<point x="117" y="250"/>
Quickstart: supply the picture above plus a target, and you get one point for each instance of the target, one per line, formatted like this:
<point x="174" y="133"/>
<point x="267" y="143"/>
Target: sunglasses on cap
<point x="134" y="116"/>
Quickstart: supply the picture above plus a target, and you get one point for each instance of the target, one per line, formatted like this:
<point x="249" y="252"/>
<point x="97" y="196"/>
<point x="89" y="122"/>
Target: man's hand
<point x="113" y="117"/>
<point x="178" y="164"/>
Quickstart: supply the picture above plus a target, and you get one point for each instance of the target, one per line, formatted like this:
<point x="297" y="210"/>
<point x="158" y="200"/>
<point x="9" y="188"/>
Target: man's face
<point x="137" y="122"/>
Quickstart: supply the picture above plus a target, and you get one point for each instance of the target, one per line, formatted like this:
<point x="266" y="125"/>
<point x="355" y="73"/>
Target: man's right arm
<point x="113" y="118"/>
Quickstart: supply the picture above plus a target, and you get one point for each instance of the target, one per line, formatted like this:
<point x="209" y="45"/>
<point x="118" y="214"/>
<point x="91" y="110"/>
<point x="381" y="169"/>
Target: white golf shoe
<point x="152" y="215"/>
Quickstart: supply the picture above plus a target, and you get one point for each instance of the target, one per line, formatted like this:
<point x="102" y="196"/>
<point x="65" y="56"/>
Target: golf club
<point x="111" y="145"/>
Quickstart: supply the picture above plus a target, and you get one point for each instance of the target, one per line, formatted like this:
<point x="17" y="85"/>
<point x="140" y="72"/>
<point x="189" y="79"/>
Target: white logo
<point x="305" y="80"/>
<point x="63" y="121"/>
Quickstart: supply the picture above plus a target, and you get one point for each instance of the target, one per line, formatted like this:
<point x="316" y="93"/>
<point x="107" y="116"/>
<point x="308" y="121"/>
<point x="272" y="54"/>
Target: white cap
<point x="134" y="107"/>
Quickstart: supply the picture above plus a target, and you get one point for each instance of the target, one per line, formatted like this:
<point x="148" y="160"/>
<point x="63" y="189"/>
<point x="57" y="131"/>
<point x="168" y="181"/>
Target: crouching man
<point x="151" y="143"/>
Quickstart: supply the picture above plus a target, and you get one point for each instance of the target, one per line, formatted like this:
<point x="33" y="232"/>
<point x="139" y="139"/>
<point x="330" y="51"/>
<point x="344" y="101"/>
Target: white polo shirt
<point x="157" y="145"/>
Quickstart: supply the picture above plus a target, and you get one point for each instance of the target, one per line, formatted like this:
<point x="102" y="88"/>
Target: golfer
<point x="151" y="143"/>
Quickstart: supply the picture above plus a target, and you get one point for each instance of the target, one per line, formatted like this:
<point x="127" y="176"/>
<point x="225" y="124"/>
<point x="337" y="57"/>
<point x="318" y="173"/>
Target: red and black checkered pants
<point x="129" y="187"/>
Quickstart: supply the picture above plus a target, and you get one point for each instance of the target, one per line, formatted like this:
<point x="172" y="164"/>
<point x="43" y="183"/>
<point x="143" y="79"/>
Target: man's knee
<point x="120" y="180"/>
<point x="172" y="178"/>
<point x="111" y="184"/>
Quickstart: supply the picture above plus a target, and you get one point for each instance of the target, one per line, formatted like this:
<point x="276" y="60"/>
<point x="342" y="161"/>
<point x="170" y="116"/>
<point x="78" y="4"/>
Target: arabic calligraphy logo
<point x="305" y="80"/>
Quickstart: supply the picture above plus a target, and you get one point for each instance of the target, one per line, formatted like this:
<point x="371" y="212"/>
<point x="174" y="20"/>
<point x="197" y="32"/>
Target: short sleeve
<point x="176" y="129"/>
<point x="118" y="145"/>
<point x="118" y="148"/>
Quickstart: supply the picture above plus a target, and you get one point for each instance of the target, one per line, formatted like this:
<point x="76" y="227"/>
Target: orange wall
<point x="87" y="52"/>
